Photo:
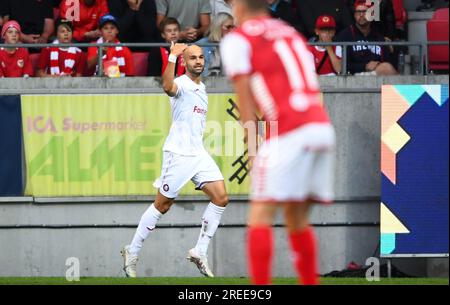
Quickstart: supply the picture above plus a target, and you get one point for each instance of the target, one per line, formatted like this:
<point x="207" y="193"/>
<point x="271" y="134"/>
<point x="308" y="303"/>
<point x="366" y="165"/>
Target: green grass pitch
<point x="208" y="281"/>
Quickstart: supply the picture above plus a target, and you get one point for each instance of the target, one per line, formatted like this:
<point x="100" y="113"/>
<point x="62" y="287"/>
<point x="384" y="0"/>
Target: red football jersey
<point x="281" y="69"/>
<point x="16" y="64"/>
<point x="87" y="18"/>
<point x="327" y="66"/>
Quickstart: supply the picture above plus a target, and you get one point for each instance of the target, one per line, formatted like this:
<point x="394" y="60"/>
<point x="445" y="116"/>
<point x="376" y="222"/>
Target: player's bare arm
<point x="169" y="85"/>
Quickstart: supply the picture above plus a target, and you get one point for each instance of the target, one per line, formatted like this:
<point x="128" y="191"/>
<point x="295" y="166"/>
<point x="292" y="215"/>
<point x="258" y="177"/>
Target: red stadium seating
<point x="400" y="13"/>
<point x="437" y="30"/>
<point x="35" y="61"/>
<point x="140" y="60"/>
<point x="55" y="13"/>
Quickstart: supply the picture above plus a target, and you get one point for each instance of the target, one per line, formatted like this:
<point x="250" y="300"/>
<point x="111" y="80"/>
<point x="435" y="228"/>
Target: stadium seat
<point x="35" y="61"/>
<point x="55" y="13"/>
<point x="400" y="14"/>
<point x="140" y="60"/>
<point x="437" y="30"/>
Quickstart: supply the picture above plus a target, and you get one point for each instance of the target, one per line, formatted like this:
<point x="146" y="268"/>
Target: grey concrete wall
<point x="354" y="106"/>
<point x="43" y="252"/>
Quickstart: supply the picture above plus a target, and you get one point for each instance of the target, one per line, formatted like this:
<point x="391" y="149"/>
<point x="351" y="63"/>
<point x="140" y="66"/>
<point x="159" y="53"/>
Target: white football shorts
<point x="297" y="166"/>
<point x="177" y="170"/>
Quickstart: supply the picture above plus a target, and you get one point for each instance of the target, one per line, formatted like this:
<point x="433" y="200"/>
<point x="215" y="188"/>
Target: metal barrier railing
<point x="423" y="55"/>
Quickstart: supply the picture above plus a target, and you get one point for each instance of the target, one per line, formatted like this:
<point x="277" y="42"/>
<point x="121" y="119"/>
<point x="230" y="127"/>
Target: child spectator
<point x="121" y="55"/>
<point x="56" y="61"/>
<point x="194" y="16"/>
<point x="327" y="59"/>
<point x="14" y="62"/>
<point x="85" y="23"/>
<point x="159" y="57"/>
<point x="221" y="25"/>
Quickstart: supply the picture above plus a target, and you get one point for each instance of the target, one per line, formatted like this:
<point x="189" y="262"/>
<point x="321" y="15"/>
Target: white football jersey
<point x="189" y="108"/>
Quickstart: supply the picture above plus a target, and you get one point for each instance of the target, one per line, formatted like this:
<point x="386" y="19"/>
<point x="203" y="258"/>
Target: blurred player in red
<point x="273" y="72"/>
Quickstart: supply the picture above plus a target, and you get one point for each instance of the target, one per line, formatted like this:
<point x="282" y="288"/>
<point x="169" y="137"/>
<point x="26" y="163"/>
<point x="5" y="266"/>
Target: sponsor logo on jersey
<point x="200" y="110"/>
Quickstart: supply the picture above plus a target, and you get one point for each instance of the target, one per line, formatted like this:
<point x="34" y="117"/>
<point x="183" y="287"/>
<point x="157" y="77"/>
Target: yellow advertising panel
<point x="100" y="145"/>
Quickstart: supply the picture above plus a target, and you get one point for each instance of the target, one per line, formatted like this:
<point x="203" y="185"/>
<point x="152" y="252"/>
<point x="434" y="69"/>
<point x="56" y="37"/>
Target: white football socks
<point x="146" y="225"/>
<point x="210" y="222"/>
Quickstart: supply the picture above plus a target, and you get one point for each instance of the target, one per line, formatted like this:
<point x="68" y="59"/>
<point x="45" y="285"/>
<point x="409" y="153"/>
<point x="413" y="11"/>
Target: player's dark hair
<point x="168" y="21"/>
<point x="256" y="5"/>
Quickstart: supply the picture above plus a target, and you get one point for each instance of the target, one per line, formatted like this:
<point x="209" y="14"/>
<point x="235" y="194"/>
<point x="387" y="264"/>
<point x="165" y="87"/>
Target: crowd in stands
<point x="166" y="21"/>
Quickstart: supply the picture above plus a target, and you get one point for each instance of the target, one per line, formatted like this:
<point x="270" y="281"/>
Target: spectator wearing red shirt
<point x="327" y="59"/>
<point x="14" y="62"/>
<point x="85" y="21"/>
<point x="57" y="61"/>
<point x="109" y="29"/>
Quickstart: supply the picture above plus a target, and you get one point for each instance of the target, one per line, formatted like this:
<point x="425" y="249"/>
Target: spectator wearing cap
<point x="194" y="16"/>
<point x="159" y="58"/>
<point x="309" y="10"/>
<point x="281" y="9"/>
<point x="58" y="61"/>
<point x="122" y="55"/>
<point x="369" y="59"/>
<point x="35" y="18"/>
<point x="136" y="20"/>
<point x="221" y="25"/>
<point x="85" y="19"/>
<point x="14" y="62"/>
<point x="327" y="59"/>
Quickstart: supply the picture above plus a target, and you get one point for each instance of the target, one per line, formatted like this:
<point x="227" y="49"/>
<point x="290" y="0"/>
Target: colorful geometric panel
<point x="388" y="164"/>
<point x="415" y="170"/>
<point x="393" y="107"/>
<point x="389" y="222"/>
<point x="410" y="93"/>
<point x="387" y="243"/>
<point x="395" y="138"/>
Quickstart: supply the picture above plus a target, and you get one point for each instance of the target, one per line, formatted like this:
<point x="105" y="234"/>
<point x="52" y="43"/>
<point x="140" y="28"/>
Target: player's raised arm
<point x="169" y="85"/>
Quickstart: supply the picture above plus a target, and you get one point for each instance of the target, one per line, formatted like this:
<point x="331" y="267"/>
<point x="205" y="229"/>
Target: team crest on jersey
<point x="166" y="187"/>
<point x="20" y="63"/>
<point x="253" y="28"/>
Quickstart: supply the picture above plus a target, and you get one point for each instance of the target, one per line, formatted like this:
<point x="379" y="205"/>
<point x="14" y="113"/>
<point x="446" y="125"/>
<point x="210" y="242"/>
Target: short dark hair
<point x="64" y="22"/>
<point x="256" y="5"/>
<point x="168" y="21"/>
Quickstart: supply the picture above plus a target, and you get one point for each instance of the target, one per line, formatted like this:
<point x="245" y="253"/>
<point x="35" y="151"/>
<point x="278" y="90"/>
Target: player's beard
<point x="195" y="72"/>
